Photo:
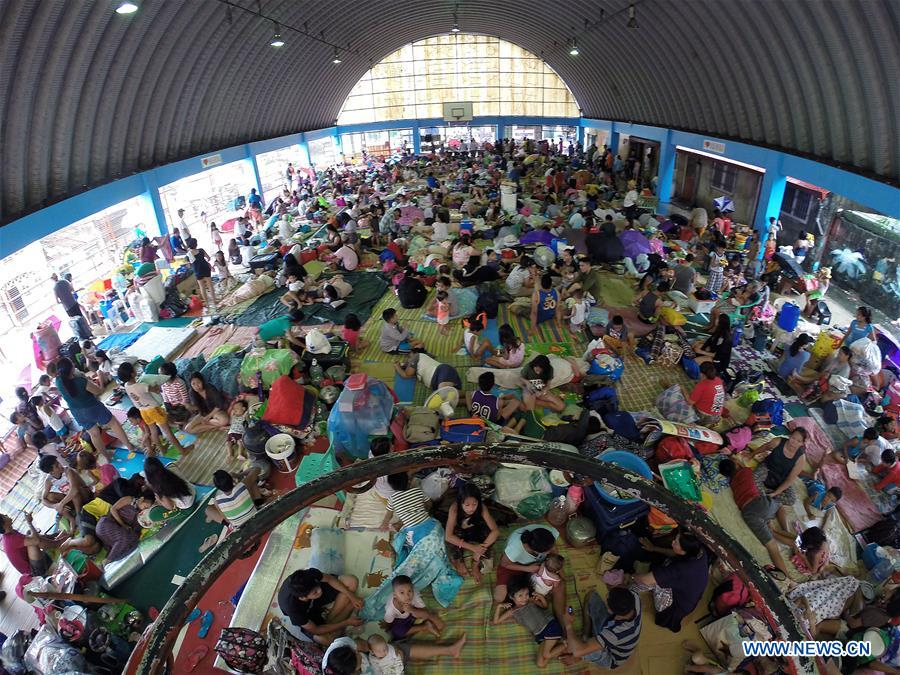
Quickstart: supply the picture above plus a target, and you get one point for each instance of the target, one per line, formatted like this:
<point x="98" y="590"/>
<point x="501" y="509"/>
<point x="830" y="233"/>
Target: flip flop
<point x="194" y="615"/>
<point x="196" y="656"/>
<point x="208" y="543"/>
<point x="205" y="624"/>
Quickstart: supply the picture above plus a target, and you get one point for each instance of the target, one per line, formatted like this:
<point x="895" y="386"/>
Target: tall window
<point x="273" y="169"/>
<point x="498" y="77"/>
<point x="796" y="202"/>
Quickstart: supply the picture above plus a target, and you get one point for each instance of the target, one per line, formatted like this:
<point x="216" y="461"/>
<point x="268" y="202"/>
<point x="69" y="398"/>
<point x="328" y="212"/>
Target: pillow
<point x="327" y="550"/>
<point x="672" y="317"/>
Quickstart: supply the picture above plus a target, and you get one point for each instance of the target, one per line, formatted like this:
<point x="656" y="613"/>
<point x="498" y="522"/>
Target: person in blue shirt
<point x="860" y="327"/>
<point x="795" y="357"/>
<point x="177" y="242"/>
<point x="254" y="200"/>
<point x="820" y="498"/>
<point x="432" y="181"/>
<point x="545" y="305"/>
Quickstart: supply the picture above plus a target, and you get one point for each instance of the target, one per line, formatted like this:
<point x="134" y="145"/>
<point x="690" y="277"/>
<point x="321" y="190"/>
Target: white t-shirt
<point x="389" y="664"/>
<point x="873" y="451"/>
<point x="579" y="312"/>
<point x="516" y="279"/>
<point x="285" y="229"/>
<point x="439" y="231"/>
<point x="391" y="613"/>
<point x="348" y="258"/>
<point x="339" y="642"/>
<point x="140" y="395"/>
<point x="631" y="198"/>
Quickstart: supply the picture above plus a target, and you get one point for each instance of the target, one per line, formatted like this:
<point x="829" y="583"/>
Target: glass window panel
<point x="415" y="80"/>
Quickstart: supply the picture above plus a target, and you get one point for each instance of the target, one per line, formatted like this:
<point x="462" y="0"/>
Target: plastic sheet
<point x="358" y="415"/>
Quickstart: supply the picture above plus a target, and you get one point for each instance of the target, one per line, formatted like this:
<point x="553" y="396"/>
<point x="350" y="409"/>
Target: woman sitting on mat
<point x="211" y="406"/>
<point x="535" y="383"/>
<point x="470" y="526"/>
<point x="512" y="350"/>
<point x="171" y="490"/>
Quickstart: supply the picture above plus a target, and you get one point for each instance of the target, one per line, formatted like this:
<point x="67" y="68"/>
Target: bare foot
<point x="476" y="572"/>
<point x="458" y="645"/>
<point x="433" y="630"/>
<point x="460" y="568"/>
<point x="541" y="661"/>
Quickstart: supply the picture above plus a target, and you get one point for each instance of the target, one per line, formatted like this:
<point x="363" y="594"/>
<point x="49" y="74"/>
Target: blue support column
<point x="417" y="140"/>
<point x="666" y="174"/>
<point x="501" y="131"/>
<point x="771" y="196"/>
<point x="256" y="179"/>
<point x="304" y="154"/>
<point x="613" y="141"/>
<point x="580" y="137"/>
<point x="151" y="187"/>
<point x="339" y="148"/>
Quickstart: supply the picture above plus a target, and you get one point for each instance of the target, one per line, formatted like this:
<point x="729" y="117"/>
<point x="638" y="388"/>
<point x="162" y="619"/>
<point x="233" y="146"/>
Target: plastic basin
<point x="627" y="461"/>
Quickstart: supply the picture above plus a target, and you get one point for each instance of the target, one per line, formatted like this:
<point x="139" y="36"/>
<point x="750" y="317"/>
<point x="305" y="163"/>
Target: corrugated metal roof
<point x="87" y="96"/>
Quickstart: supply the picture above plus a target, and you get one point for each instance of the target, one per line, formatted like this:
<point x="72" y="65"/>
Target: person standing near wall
<point x="65" y="295"/>
<point x="182" y="226"/>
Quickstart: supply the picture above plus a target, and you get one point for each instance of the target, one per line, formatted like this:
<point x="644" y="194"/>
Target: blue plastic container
<point x="627" y="461"/>
<point x="789" y="317"/>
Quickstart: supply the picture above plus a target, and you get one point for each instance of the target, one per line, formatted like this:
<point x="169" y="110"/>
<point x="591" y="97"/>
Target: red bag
<point x="706" y="448"/>
<point x="730" y="594"/>
<point x="308" y="255"/>
<point x="286" y="402"/>
<point x="671" y="448"/>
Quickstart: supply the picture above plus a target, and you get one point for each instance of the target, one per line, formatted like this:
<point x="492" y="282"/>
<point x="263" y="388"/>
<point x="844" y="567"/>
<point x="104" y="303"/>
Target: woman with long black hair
<point x="171" y="490"/>
<point x="80" y="395"/>
<point x="470" y="527"/>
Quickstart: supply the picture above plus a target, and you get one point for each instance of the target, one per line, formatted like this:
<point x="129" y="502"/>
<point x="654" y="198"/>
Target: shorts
<point x="404" y="648"/>
<point x="505" y="575"/>
<point x="552" y="631"/>
<point x="402" y="348"/>
<point x="88" y="418"/>
<point x="235" y="438"/>
<point x="757" y="515"/>
<point x="40" y="566"/>
<point x="155" y="415"/>
<point x="598" y="613"/>
<point x="708" y="420"/>
<point x="787" y="498"/>
<point x="399" y="628"/>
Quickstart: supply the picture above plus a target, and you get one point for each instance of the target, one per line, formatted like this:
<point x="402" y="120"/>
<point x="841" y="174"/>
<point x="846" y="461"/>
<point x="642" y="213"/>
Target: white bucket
<point x="280" y="449"/>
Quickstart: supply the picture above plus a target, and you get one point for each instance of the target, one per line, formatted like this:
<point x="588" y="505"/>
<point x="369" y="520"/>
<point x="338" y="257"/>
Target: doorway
<point x="687" y="192"/>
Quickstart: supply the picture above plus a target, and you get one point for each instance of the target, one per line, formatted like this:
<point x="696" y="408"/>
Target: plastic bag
<point x="866" y="359"/>
<point x="49" y="654"/>
<point x="435" y="484"/>
<point x="514" y="484"/>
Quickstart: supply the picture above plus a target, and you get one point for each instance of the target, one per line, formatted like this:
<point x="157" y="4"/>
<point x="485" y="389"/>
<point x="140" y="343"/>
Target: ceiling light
<point x="632" y="22"/>
<point x="276" y="40"/>
<point x="127" y="8"/>
<point x="336" y="59"/>
<point x="573" y="50"/>
<point x="455" y="28"/>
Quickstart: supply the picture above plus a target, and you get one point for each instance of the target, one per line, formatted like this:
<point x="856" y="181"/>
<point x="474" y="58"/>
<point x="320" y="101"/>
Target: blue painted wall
<point x="777" y="165"/>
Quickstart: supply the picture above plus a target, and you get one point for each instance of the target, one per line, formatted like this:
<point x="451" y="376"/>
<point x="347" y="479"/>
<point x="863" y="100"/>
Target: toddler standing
<point x="442" y="311"/>
<point x="579" y="308"/>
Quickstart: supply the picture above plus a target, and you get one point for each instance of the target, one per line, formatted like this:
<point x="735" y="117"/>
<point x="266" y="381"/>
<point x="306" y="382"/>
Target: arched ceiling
<point x="88" y="96"/>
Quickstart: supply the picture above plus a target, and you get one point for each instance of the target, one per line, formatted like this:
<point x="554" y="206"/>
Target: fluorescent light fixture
<point x="336" y="59"/>
<point x="455" y="28"/>
<point x="277" y="41"/>
<point x="127" y="8"/>
<point x="573" y="50"/>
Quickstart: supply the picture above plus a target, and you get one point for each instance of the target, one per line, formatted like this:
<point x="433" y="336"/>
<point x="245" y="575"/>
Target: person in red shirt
<point x="26" y="553"/>
<point x="757" y="509"/>
<point x="708" y="396"/>
<point x="889" y="470"/>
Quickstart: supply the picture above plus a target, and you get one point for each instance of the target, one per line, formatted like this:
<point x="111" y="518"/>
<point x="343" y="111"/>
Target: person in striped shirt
<point x="615" y="627"/>
<point x="407" y="504"/>
<point x="235" y="502"/>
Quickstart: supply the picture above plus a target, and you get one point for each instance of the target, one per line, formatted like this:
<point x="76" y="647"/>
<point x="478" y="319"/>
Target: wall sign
<point x="714" y="146"/>
<point x="214" y="160"/>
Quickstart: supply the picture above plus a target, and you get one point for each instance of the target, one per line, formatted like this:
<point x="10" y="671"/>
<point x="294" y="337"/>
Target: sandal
<point x="205" y="624"/>
<point x="196" y="656"/>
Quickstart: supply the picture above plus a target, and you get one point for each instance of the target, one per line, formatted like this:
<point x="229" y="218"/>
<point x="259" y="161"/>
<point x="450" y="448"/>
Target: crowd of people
<point x="424" y="219"/>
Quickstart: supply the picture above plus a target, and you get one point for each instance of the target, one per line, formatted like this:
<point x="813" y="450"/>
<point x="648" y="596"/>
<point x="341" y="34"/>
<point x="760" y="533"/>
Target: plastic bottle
<point x="558" y="514"/>
<point x="316" y="373"/>
<point x="574" y="497"/>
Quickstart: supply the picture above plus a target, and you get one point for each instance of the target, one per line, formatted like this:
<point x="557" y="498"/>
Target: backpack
<point x="243" y="649"/>
<point x="423" y="426"/>
<point x="672" y="448"/>
<point x="470" y="430"/>
<point x="772" y="407"/>
<point x="603" y="400"/>
<point x="70" y="350"/>
<point x="728" y="595"/>
<point x="487" y="304"/>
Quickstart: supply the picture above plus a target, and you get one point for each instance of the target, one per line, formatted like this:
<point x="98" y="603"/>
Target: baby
<point x="405" y="607"/>
<point x="235" y="438"/>
<point x="384" y="658"/>
<point x="547" y="578"/>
